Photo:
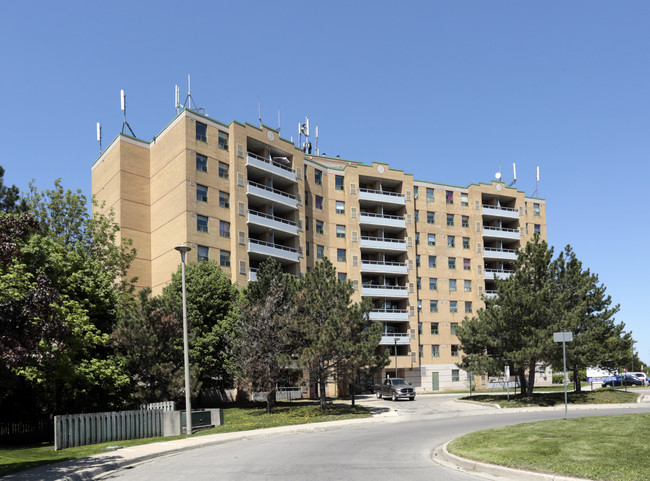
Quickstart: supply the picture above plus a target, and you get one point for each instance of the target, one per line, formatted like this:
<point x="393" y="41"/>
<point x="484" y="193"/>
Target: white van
<point x="642" y="376"/>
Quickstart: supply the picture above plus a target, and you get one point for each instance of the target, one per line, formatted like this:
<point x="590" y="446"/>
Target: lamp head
<point x="183" y="249"/>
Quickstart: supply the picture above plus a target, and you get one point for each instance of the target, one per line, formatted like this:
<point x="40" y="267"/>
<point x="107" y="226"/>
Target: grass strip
<point x="610" y="448"/>
<point x="599" y="396"/>
<point x="243" y="418"/>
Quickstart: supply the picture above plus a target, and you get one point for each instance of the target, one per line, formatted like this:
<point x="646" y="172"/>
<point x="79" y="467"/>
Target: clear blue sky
<point x="448" y="91"/>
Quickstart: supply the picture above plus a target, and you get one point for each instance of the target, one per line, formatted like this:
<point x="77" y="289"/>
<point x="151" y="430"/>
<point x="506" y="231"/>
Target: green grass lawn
<point x="242" y="418"/>
<point x="612" y="448"/>
<point x="554" y="398"/>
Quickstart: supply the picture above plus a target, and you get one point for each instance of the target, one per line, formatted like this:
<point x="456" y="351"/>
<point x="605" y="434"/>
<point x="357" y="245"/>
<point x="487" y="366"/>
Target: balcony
<point x="490" y="232"/>
<point x="268" y="249"/>
<point x="383" y="244"/>
<point x="383" y="197"/>
<point x="389" y="315"/>
<point x="498" y="273"/>
<point x="490" y="294"/>
<point x="271" y="222"/>
<point x="384" y="267"/>
<point x="270" y="166"/>
<point x="252" y="275"/>
<point x="498" y="211"/>
<point x="403" y="362"/>
<point x="389" y="339"/>
<point x="381" y="220"/>
<point x="393" y="292"/>
<point x="269" y="194"/>
<point x="499" y="254"/>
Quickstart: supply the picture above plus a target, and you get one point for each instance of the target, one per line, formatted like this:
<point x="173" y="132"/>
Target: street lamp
<point x="183" y="249"/>
<point x="395" y="339"/>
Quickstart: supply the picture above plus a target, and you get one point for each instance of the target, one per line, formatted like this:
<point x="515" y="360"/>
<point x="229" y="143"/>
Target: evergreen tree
<point x="10" y="200"/>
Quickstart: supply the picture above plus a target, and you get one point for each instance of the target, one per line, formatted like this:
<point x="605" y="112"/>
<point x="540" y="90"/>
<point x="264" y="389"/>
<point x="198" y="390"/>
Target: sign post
<point x="564" y="337"/>
<point x="506" y="371"/>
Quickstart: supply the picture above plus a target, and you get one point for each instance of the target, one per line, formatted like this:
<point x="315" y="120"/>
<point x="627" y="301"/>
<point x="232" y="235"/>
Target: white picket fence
<point x="80" y="429"/>
<point x="164" y="406"/>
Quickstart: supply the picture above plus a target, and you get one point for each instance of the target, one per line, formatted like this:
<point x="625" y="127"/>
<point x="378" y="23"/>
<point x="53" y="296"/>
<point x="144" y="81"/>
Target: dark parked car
<point x="624" y="380"/>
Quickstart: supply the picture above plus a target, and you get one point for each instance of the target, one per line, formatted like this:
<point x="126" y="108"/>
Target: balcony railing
<point x="498" y="207"/>
<point x="382" y="192"/>
<point x="273" y="218"/>
<point x="499" y="250"/>
<point x="274" y="246"/>
<point x="389" y="315"/>
<point x="500" y="229"/>
<point x="500" y="273"/>
<point x="394" y="338"/>
<point x="271" y="162"/>
<point x="272" y="190"/>
<point x="383" y="239"/>
<point x="381" y="266"/>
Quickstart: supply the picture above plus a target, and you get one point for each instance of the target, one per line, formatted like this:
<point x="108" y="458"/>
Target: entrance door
<point x="435" y="381"/>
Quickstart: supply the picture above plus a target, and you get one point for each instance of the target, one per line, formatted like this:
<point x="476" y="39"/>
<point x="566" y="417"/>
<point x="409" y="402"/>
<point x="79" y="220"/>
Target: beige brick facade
<point x="425" y="252"/>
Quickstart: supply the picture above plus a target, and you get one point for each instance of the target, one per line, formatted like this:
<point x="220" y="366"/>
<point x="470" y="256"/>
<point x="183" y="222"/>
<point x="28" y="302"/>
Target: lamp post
<point x="395" y="340"/>
<point x="183" y="249"/>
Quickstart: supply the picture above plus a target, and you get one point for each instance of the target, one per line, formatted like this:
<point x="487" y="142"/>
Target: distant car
<point x="624" y="380"/>
<point x="643" y="376"/>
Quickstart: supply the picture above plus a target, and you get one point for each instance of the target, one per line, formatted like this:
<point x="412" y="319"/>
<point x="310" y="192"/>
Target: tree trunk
<point x="531" y="379"/>
<point x="352" y="393"/>
<point x="576" y="379"/>
<point x="522" y="381"/>
<point x="322" y="380"/>
<point x="270" y="400"/>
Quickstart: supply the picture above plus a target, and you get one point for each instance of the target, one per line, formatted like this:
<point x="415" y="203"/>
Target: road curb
<point x="443" y="457"/>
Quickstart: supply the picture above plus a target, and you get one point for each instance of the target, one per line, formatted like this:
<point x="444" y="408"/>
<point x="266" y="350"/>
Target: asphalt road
<point x="399" y="446"/>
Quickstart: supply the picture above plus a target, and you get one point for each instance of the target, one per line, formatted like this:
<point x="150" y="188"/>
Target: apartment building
<point x="425" y="253"/>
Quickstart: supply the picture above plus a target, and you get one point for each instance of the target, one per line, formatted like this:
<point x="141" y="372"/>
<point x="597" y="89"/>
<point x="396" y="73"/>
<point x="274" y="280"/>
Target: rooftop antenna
<point x="317" y="140"/>
<point x="514" y="174"/>
<point x="177" y="99"/>
<point x="279" y="124"/>
<point x="189" y="100"/>
<point x="259" y="111"/>
<point x="99" y="136"/>
<point x="536" y="182"/>
<point x="303" y="129"/>
<point x="123" y="106"/>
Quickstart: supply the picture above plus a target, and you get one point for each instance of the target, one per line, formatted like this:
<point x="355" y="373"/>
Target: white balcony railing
<point x="382" y="220"/>
<point x="389" y="315"/>
<point x="382" y="196"/>
<point x="384" y="267"/>
<point x="501" y="232"/>
<point x="374" y="290"/>
<point x="498" y="273"/>
<point x="272" y="222"/>
<point x="383" y="243"/>
<point x="499" y="211"/>
<point x="272" y="166"/>
<point x="390" y="339"/>
<point x="499" y="253"/>
<point x="273" y="250"/>
<point x="271" y="194"/>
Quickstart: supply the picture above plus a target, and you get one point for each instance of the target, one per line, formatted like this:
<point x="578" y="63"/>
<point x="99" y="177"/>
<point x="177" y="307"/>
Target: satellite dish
<point x="497" y="176"/>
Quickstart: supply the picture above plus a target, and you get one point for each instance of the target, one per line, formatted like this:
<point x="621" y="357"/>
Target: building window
<point x="464" y="199"/>
<point x="307" y="248"/>
<point x="435" y="350"/>
<point x="319" y="227"/>
<point x="454" y="353"/>
<point x="418" y="282"/>
<point x="433" y="284"/>
<point x="435" y="328"/>
<point x="318" y="177"/>
<point x="415" y="192"/>
<point x="452" y="328"/>
<point x="340" y="207"/>
<point x="340" y="231"/>
<point x="466" y="264"/>
<point x="340" y="255"/>
<point x="429" y="195"/>
<point x="431" y="239"/>
<point x="535" y="209"/>
<point x="465" y="242"/>
<point x="201" y="163"/>
<point x="223" y="140"/>
<point x="452" y="262"/>
<point x="224" y="199"/>
<point x="338" y="182"/>
<point x="417" y="215"/>
<point x="201" y="223"/>
<point x="201" y="132"/>
<point x="432" y="262"/>
<point x="202" y="253"/>
<point x="419" y="306"/>
<point x="468" y="285"/>
<point x="537" y="229"/>
<point x="449" y="197"/>
<point x="451" y="241"/>
<point x="224" y="258"/>
<point x="224" y="228"/>
<point x="224" y="170"/>
<point x="465" y="221"/>
<point x="450" y="220"/>
<point x="342" y="276"/>
<point x="201" y="193"/>
<point x="421" y="351"/>
<point x="417" y="238"/>
<point x="468" y="307"/>
<point x="455" y="373"/>
<point x="307" y="223"/>
<point x="320" y="252"/>
<point x="319" y="202"/>
<point x="433" y="306"/>
<point x="431" y="217"/>
<point x="306" y="193"/>
<point x="453" y="306"/>
<point x="452" y="285"/>
<point x="417" y="260"/>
